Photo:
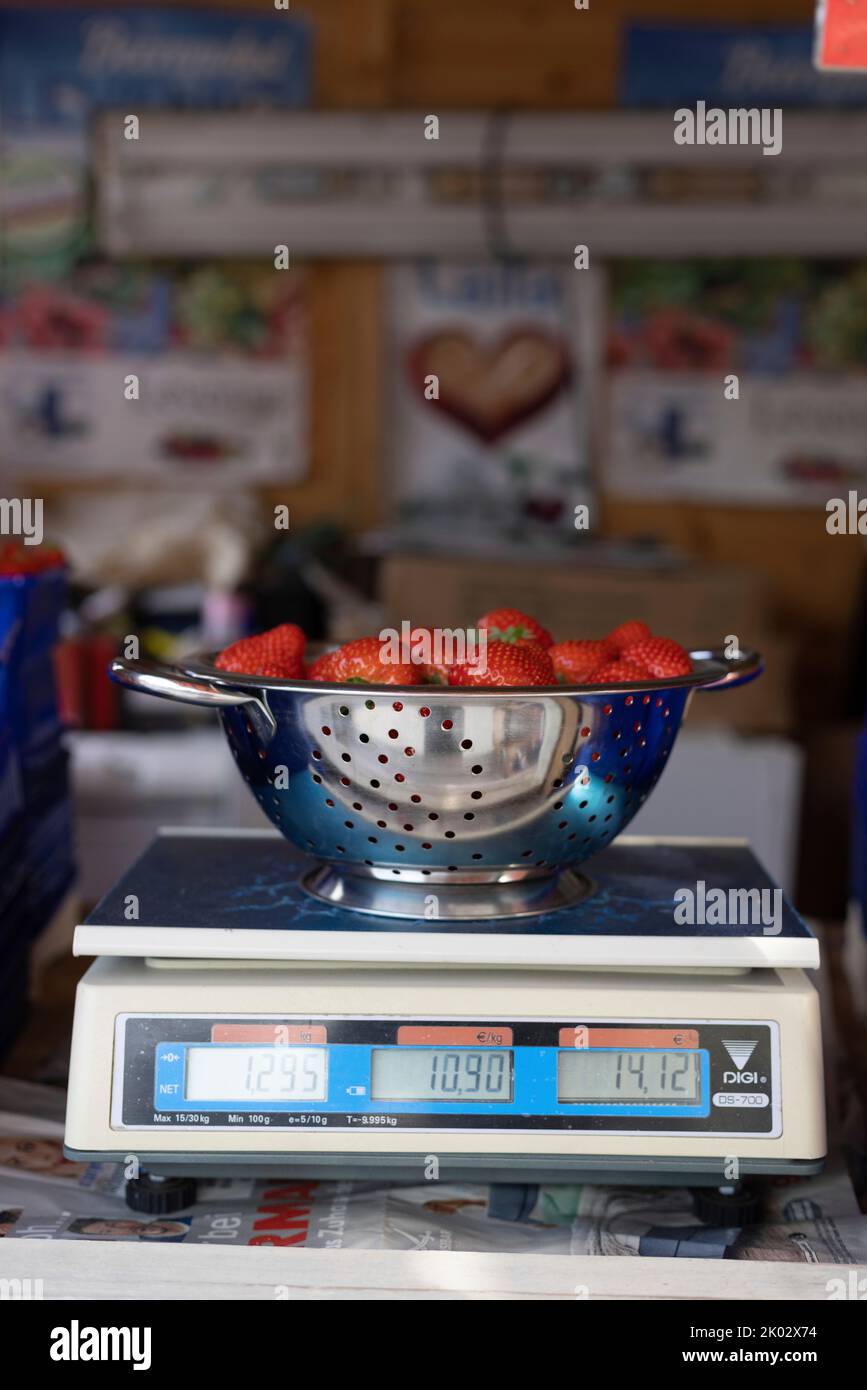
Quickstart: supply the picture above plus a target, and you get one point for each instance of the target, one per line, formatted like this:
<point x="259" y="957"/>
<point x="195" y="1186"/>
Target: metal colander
<point x="406" y="793"/>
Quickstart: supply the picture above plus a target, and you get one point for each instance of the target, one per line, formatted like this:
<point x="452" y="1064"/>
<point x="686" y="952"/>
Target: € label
<point x="841" y="35"/>
<point x="582" y="1035"/>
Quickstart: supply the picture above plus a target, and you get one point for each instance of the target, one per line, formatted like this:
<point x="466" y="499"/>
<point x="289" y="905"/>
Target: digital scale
<point x="233" y="1024"/>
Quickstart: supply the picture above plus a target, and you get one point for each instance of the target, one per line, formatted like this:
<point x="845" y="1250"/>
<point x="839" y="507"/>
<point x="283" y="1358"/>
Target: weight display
<point x="605" y="1076"/>
<point x="441" y="1074"/>
<point x="237" y="1074"/>
<point x="652" y="1077"/>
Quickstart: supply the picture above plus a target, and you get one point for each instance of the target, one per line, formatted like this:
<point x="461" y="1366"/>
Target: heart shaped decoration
<point x="490" y="388"/>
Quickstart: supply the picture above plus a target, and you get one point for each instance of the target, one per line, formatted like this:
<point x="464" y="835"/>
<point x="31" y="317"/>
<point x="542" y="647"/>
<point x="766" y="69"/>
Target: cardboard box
<point x="699" y="606"/>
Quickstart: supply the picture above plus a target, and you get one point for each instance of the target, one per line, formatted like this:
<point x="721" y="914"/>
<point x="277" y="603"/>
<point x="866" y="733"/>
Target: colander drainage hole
<point x="326" y="730"/>
<point x="477" y="796"/>
<point x="525" y="853"/>
<point x="469" y="815"/>
<point x="344" y="710"/>
<point x="450" y="834"/>
<point x="374" y="782"/>
<point x="415" y="797"/>
<point x="466" y="743"/>
<point x="369" y="704"/>
<point x="447" y="724"/>
<point x="477" y="769"/>
<point x="558" y="805"/>
<point x="477" y="856"/>
<point x="393" y="806"/>
<point x="372" y="840"/>
<point x="347" y="758"/>
<point x="350" y="824"/>
<point x="357" y="806"/>
<point x="316" y="777"/>
<point x="433" y="815"/>
<point x="561" y="825"/>
<point x="364" y="738"/>
<point x="393" y="733"/>
<point x="399" y="777"/>
<point x="345" y="782"/>
<point x="328" y="801"/>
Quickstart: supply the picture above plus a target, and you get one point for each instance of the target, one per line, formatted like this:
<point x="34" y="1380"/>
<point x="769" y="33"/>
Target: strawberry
<point x="277" y="653"/>
<point x="19" y="559"/>
<point x="508" y="663"/>
<point x="361" y="662"/>
<point x="511" y="625"/>
<point x="631" y="631"/>
<point x="661" y="656"/>
<point x="324" y="668"/>
<point x="574" y="661"/>
<point x="618" y="672"/>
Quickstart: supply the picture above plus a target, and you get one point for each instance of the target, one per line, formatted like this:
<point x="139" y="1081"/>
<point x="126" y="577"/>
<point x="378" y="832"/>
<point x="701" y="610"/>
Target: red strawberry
<point x="632" y="631"/>
<point x="277" y="653"/>
<point x="508" y="663"/>
<point x="324" y="668"/>
<point x="17" y="558"/>
<point x="661" y="656"/>
<point x="618" y="672"/>
<point x="511" y="625"/>
<point x="574" y="661"/>
<point x="364" y="661"/>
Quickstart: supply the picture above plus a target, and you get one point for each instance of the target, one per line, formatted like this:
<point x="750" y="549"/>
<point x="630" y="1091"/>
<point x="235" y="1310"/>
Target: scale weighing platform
<point x="235" y="1025"/>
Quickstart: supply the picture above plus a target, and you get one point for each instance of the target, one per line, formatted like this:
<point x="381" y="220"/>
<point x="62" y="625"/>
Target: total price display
<point x="237" y="1074"/>
<point x="421" y="1073"/>
<point x="652" y="1077"/>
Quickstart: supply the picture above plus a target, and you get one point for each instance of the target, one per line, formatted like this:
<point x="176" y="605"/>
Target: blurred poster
<point x="218" y="347"/>
<point x="59" y="66"/>
<point x="793" y="333"/>
<point x="489" y="389"/>
<point x="192" y="372"/>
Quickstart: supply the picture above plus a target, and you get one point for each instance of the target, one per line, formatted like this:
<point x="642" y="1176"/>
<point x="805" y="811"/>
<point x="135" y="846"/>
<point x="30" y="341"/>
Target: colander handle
<point x="739" y="669"/>
<point x="171" y="683"/>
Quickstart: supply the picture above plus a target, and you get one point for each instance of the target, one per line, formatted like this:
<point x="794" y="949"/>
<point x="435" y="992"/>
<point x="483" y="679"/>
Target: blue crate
<point x="30" y="611"/>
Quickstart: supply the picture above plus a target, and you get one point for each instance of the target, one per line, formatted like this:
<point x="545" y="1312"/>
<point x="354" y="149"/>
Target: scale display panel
<point x="613" y="1075"/>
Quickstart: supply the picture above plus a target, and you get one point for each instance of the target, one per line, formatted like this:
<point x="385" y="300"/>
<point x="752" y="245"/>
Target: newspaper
<point x="45" y="1196"/>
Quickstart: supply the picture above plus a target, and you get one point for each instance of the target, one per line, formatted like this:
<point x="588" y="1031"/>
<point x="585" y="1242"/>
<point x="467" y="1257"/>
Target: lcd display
<point x="238" y="1074"/>
<point x="588" y="1075"/>
<point x="441" y="1074"/>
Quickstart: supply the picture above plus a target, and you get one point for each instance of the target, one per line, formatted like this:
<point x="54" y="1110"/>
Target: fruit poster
<point x="739" y="382"/>
<point x="490" y="369"/>
<point x="114" y="370"/>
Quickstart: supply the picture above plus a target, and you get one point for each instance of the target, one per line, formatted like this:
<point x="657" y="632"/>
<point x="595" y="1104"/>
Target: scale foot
<point x="160" y="1196"/>
<point x="727" y="1206"/>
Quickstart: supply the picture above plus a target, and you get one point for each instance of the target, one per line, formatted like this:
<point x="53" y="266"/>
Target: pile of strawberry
<point x="519" y="652"/>
<point x="16" y="559"/>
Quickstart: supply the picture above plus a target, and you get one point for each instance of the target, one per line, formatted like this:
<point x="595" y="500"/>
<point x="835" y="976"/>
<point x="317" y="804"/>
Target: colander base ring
<point x="530" y="895"/>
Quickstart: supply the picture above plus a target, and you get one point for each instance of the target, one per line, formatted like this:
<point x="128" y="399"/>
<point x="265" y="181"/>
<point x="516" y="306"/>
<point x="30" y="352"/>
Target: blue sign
<point x="671" y="65"/>
<point x="56" y="66"/>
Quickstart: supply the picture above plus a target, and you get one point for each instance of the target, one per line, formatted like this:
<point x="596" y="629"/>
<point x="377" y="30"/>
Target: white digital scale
<point x="232" y="1024"/>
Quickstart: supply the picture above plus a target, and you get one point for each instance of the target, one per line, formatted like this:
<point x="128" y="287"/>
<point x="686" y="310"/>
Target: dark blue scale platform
<point x="250" y="882"/>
